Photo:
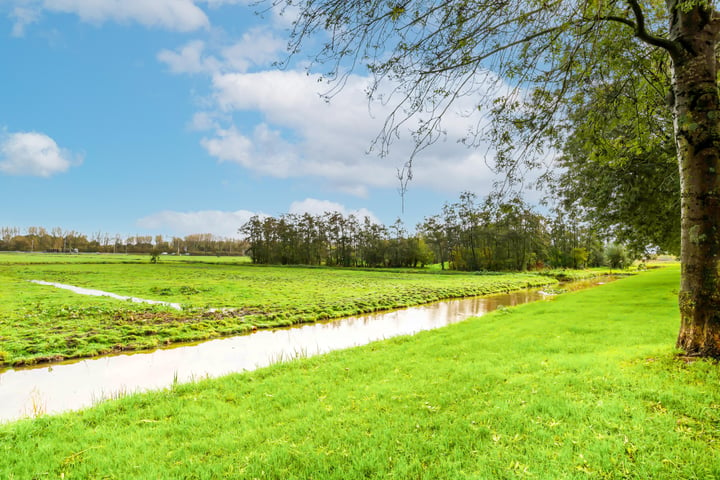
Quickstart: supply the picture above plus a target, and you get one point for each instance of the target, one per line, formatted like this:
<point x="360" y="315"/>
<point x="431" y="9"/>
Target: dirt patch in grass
<point x="173" y="318"/>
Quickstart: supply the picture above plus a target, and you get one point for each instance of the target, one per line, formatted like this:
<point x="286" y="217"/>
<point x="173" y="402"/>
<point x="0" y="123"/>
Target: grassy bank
<point x="584" y="386"/>
<point x="39" y="322"/>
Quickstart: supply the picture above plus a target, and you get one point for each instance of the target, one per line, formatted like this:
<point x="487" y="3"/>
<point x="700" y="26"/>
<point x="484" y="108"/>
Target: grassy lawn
<point x="584" y="386"/>
<point x="39" y="322"/>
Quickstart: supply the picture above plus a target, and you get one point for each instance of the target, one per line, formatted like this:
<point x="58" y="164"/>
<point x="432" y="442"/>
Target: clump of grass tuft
<point x="38" y="406"/>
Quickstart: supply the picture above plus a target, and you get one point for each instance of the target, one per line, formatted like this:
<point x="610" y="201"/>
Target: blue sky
<point x="168" y="117"/>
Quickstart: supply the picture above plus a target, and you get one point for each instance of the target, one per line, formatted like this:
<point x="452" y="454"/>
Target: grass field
<point x="39" y="322"/>
<point x="14" y="258"/>
<point x="585" y="386"/>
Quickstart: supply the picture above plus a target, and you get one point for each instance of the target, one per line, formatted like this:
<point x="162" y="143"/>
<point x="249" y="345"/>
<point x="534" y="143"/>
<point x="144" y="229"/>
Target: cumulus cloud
<point x="219" y="3"/>
<point x="278" y="157"/>
<point x="300" y="134"/>
<point x="23" y="16"/>
<point x="220" y="223"/>
<point x="314" y="206"/>
<point x="282" y="15"/>
<point x="203" y="121"/>
<point x="34" y="154"/>
<point x="189" y="59"/>
<point x="303" y="135"/>
<point x="226" y="224"/>
<point x="178" y="15"/>
<point x="256" y="47"/>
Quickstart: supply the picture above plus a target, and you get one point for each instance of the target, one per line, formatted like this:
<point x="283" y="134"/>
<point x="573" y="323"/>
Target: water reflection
<point x="77" y="384"/>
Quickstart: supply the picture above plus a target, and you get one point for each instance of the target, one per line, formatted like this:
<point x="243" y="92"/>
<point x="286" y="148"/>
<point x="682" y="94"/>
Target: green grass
<point x="39" y="323"/>
<point x="13" y="258"/>
<point x="586" y="386"/>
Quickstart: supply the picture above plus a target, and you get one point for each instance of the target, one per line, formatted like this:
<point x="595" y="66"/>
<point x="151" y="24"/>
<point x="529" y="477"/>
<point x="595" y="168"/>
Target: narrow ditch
<point x="75" y="384"/>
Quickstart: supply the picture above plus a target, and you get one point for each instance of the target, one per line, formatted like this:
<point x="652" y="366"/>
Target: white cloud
<point x="217" y="222"/>
<point x="315" y="207"/>
<point x="189" y="59"/>
<point x="302" y="135"/>
<point x="257" y="47"/>
<point x="226" y="224"/>
<point x="278" y="157"/>
<point x="203" y="121"/>
<point x="178" y="15"/>
<point x="219" y="3"/>
<point x="282" y="15"/>
<point x="23" y="16"/>
<point x="34" y="154"/>
<point x="318" y="207"/>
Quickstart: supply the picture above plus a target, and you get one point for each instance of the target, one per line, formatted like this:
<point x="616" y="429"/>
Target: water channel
<point x="71" y="385"/>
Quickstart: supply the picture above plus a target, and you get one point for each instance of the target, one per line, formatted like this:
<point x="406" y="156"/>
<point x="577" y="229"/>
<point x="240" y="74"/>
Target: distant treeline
<point x="333" y="239"/>
<point x="38" y="239"/>
<point x="467" y="235"/>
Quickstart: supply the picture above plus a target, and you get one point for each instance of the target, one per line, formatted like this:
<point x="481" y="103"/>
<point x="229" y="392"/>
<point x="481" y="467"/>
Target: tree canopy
<point x="519" y="61"/>
<point x="523" y="62"/>
<point x="618" y="168"/>
<point x="468" y="235"/>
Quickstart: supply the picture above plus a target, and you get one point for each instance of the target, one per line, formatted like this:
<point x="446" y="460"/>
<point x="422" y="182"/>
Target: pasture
<point x="219" y="296"/>
<point x="587" y="386"/>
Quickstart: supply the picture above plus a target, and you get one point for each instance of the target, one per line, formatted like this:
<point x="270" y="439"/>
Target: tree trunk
<point x="697" y="134"/>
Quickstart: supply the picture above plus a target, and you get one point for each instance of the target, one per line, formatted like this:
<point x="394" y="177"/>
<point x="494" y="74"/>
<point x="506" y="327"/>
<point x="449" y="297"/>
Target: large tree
<point x="537" y="54"/>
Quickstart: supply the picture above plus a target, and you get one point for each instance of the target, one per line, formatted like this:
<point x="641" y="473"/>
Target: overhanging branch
<point x="642" y="33"/>
<point x="478" y="58"/>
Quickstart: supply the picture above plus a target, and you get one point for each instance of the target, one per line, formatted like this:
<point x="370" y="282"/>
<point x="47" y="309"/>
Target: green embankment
<point x="39" y="322"/>
<point x="584" y="386"/>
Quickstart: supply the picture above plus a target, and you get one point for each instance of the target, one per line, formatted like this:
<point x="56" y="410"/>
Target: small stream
<point x="71" y="385"/>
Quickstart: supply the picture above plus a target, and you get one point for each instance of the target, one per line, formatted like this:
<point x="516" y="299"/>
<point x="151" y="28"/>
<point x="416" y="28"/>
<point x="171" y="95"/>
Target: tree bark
<point x="697" y="134"/>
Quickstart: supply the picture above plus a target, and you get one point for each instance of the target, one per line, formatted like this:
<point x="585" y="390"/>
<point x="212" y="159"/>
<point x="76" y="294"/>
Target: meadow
<point x="13" y="258"/>
<point x="219" y="296"/>
<point x="585" y="386"/>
